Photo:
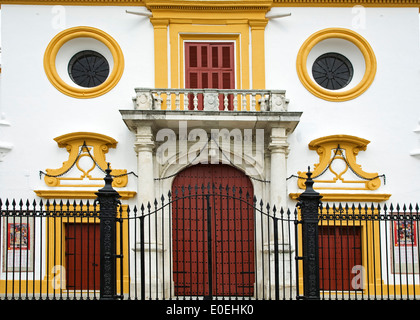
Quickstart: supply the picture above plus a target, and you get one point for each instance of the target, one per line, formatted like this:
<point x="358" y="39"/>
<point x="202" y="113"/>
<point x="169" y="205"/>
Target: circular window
<point x="83" y="62"/>
<point x="337" y="50"/>
<point x="332" y="71"/>
<point x="88" y="69"/>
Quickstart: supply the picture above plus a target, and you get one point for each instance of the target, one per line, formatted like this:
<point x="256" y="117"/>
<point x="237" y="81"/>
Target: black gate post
<point x="108" y="203"/>
<point x="309" y="203"/>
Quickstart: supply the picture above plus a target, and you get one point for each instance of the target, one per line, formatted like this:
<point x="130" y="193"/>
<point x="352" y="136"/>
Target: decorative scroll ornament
<point x="86" y="164"/>
<point x="337" y="168"/>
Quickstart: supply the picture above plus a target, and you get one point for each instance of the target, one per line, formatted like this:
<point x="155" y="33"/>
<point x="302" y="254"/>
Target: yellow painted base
<point x="78" y="194"/>
<point x="349" y="197"/>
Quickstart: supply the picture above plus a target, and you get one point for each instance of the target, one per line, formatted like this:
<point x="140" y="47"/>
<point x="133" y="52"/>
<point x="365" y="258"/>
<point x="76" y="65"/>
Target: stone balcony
<point x="210" y="100"/>
<point x="246" y="127"/>
<point x="210" y="108"/>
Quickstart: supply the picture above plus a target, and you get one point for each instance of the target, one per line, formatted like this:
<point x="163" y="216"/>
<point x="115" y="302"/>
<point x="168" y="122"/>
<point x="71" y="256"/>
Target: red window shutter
<point x="209" y="65"/>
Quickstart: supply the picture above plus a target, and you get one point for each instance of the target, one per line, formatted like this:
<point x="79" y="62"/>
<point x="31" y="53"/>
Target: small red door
<point x="209" y="65"/>
<point x="82" y="256"/>
<point x="339" y="251"/>
<point x="228" y="236"/>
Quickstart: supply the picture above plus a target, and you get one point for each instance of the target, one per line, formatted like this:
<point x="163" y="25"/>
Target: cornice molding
<point x="76" y="2"/>
<point x="346" y="3"/>
<point x="239" y="5"/>
<point x="222" y="5"/>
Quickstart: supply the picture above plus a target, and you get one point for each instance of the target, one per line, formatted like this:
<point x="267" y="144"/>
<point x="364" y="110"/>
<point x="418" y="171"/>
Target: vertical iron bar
<point x="276" y="256"/>
<point x="41" y="213"/>
<point x="135" y="252"/>
<point x="209" y="249"/>
<point x="255" y="241"/>
<point x="235" y="241"/>
<point x="183" y="243"/>
<point x="149" y="241"/>
<point x="142" y="257"/>
<point x="34" y="246"/>
<point x="121" y="255"/>
<point x="221" y="235"/>
<point x="47" y="243"/>
<point x="155" y="211"/>
<point x="197" y="233"/>
<point x="95" y="216"/>
<point x="262" y="250"/>
<point x="386" y="248"/>
<point x="190" y="243"/>
<point x="171" y="252"/>
<point x="163" y="245"/>
<point x="128" y="254"/>
<point x="297" y="254"/>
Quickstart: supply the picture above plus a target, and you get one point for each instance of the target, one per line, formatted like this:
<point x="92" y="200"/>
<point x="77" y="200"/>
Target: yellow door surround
<point x="242" y="22"/>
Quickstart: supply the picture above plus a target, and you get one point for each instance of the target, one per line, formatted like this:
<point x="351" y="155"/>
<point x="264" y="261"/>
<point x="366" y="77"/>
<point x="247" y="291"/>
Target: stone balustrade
<point x="210" y="100"/>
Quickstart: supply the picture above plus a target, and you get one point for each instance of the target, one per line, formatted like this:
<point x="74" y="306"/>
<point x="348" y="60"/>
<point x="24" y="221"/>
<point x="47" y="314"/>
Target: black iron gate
<point x="211" y="242"/>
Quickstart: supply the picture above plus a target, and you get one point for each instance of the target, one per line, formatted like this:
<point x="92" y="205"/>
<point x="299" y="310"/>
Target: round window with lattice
<point x="88" y="69"/>
<point x="332" y="71"/>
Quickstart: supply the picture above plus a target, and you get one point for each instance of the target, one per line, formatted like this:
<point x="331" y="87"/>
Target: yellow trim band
<point x="86" y="32"/>
<point x="275" y="3"/>
<point x="341" y="33"/>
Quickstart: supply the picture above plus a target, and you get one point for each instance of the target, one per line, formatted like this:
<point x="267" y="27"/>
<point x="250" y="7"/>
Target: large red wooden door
<point x="213" y="256"/>
<point x="339" y="251"/>
<point x="209" y="65"/>
<point x="82" y="256"/>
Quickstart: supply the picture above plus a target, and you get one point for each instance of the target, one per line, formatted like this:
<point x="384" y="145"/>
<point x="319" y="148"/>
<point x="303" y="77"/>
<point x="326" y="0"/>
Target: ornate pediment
<point x="86" y="162"/>
<point x="337" y="168"/>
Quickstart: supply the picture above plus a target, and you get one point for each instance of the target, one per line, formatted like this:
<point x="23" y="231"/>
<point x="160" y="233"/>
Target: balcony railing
<point x="210" y="100"/>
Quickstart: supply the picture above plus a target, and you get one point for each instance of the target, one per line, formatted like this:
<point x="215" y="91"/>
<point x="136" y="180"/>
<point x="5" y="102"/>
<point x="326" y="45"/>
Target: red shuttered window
<point x="209" y="65"/>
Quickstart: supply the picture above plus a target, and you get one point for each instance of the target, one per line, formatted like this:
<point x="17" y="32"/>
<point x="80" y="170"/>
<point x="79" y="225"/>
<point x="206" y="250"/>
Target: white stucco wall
<point x="38" y="112"/>
<point x="386" y="114"/>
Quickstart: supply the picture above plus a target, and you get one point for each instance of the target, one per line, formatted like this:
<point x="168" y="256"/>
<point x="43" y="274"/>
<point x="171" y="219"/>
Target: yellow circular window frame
<point x="83" y="32"/>
<point x="340" y="33"/>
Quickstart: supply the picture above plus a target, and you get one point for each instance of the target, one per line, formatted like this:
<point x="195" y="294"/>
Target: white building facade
<point x="265" y="87"/>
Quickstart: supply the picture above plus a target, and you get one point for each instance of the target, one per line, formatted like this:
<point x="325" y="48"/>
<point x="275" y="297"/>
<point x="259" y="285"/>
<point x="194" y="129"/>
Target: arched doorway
<point x="213" y="232"/>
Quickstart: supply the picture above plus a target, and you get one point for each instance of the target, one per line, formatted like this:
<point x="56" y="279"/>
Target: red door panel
<point x="231" y="238"/>
<point x="82" y="256"/>
<point x="339" y="252"/>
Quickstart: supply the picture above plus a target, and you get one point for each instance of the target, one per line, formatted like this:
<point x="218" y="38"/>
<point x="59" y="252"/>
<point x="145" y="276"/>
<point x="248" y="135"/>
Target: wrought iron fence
<point x="207" y="242"/>
<point x="369" y="252"/>
<point x="50" y="250"/>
